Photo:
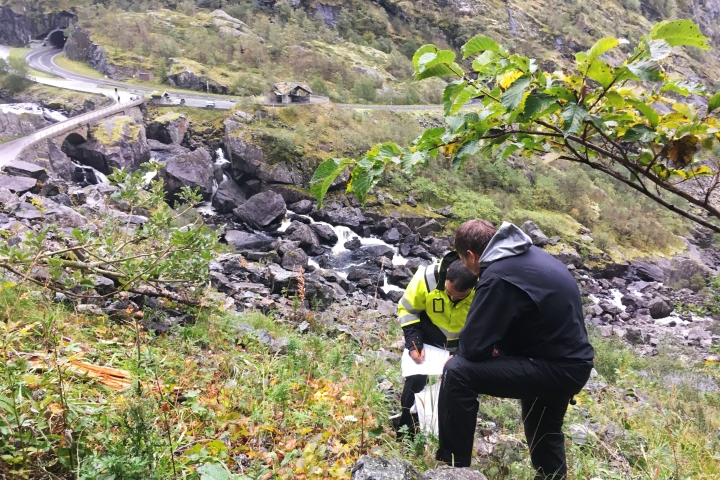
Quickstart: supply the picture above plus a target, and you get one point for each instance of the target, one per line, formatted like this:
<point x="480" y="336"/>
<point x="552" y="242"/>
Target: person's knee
<point x="416" y="383"/>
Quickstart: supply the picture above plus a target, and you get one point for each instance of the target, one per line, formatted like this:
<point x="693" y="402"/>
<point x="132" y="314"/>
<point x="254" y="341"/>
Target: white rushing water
<point x="32" y="109"/>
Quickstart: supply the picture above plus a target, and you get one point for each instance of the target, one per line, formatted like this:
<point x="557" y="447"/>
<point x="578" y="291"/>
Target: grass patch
<point x="81" y="68"/>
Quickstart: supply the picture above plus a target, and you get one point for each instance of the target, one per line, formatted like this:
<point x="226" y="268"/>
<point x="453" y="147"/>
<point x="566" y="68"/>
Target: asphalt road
<point x="43" y="59"/>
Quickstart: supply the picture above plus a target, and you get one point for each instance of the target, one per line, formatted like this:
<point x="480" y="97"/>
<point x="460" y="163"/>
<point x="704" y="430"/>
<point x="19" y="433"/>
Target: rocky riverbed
<point x="354" y="263"/>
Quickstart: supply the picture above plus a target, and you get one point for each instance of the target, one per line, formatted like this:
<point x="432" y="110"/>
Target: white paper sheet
<point x="426" y="404"/>
<point x="433" y="364"/>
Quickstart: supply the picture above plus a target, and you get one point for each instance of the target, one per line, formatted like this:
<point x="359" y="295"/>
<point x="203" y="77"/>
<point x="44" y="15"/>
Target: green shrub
<point x="469" y="205"/>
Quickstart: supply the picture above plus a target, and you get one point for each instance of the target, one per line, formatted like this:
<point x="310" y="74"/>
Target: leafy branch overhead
<point x="621" y="112"/>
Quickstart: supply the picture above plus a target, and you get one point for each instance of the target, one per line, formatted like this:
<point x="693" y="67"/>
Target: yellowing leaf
<point x="507" y="78"/>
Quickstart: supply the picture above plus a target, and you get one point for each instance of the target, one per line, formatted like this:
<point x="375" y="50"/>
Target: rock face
<point x="192" y="169"/>
<point x="244" y="241"/>
<point x="249" y="160"/>
<point x="117" y="142"/>
<point x="189" y="80"/>
<point x="81" y="48"/>
<point x="21" y="23"/>
<point x="169" y="128"/>
<point x="262" y="210"/>
<point x="13" y="124"/>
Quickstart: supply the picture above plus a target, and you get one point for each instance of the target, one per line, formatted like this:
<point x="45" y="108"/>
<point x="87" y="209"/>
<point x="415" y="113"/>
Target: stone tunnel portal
<point x="56" y="38"/>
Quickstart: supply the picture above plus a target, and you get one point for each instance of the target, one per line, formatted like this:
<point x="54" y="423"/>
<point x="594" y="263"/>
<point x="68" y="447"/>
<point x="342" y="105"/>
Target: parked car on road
<point x="210" y="104"/>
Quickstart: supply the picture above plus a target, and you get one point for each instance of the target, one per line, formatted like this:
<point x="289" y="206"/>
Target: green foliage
<point x="600" y="116"/>
<point x="364" y="88"/>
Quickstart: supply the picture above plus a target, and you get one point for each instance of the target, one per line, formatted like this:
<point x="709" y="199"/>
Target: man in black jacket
<point x="527" y="307"/>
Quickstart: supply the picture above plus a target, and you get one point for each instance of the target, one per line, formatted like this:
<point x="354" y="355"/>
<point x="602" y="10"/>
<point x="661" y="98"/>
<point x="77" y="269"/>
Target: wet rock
<point x="248" y="159"/>
<point x="25" y="169"/>
<point x="381" y="468"/>
<point x="353" y="244"/>
<point x="303" y="207"/>
<point x="294" y="259"/>
<point x="659" y="308"/>
<point x="391" y="236"/>
<point x="346" y="216"/>
<point x="249" y="241"/>
<point x="228" y="196"/>
<point x="325" y="233"/>
<point x="262" y="210"/>
<point x="192" y="169"/>
<point x="304" y="234"/>
<point x="17" y="184"/>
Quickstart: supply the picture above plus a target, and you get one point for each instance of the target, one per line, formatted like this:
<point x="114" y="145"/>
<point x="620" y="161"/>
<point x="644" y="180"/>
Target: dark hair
<point x="474" y="235"/>
<point x="461" y="278"/>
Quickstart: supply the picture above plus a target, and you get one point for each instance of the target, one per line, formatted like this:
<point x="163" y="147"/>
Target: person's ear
<point x="475" y="258"/>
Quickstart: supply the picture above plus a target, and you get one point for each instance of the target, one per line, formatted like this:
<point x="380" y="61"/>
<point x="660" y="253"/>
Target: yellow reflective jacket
<point x="423" y="298"/>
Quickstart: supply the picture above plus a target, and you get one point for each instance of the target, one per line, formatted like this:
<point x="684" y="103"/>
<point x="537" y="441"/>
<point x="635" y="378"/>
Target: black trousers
<point x="544" y="388"/>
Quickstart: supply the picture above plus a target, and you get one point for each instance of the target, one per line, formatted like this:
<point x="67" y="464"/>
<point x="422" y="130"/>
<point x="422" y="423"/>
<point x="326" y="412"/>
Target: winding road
<point x="43" y="59"/>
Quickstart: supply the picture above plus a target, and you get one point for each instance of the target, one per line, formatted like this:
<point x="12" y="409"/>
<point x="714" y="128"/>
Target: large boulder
<point x="569" y="256"/>
<point x="17" y="184"/>
<point x="169" y="128"/>
<point x="262" y="210"/>
<point x="381" y="468"/>
<point x="244" y="241"/>
<point x="192" y="169"/>
<point x="648" y="272"/>
<point x="325" y="233"/>
<point x="346" y="216"/>
<point x="659" y="307"/>
<point x="248" y="159"/>
<point x="25" y="169"/>
<point x="17" y="122"/>
<point x="536" y="235"/>
<point x="305" y="235"/>
<point x="294" y="259"/>
<point x="117" y="142"/>
<point x="228" y="196"/>
<point x="684" y="267"/>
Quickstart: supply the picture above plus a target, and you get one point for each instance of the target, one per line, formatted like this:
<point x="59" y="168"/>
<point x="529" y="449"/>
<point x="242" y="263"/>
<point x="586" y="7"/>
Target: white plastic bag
<point x="426" y="404"/>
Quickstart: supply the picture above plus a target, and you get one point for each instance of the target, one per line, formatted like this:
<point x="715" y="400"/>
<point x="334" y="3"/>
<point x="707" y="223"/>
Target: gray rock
<point x="446" y="211"/>
<point x="25" y="169"/>
<point x="294" y="259"/>
<point x="659" y="308"/>
<point x="189" y="80"/>
<point x="391" y="236"/>
<point x="648" y="272"/>
<point x="102" y="285"/>
<point x="248" y="159"/>
<point x="244" y="241"/>
<point x="450" y="473"/>
<point x="347" y="216"/>
<point x="27" y="211"/>
<point x="536" y="235"/>
<point x="429" y="227"/>
<point x="192" y="169"/>
<point x="169" y="128"/>
<point x="569" y="256"/>
<point x="303" y="207"/>
<point x="580" y="434"/>
<point x="304" y="234"/>
<point x="381" y="468"/>
<point x="325" y="233"/>
<point x="262" y="210"/>
<point x="17" y="184"/>
<point x="116" y="142"/>
<point x="228" y="196"/>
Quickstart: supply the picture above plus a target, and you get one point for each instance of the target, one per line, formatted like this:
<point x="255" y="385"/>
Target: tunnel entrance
<point x="56" y="38"/>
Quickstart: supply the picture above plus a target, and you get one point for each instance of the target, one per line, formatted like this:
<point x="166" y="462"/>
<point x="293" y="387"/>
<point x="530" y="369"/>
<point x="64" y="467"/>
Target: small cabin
<point x="291" y="92"/>
<point x="145" y="76"/>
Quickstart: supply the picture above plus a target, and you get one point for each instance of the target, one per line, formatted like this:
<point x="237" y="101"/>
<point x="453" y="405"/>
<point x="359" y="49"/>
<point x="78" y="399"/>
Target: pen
<point x="416" y="349"/>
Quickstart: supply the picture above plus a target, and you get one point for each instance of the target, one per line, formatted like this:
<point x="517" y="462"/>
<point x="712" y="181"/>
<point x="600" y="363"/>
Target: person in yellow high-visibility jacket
<point x="432" y="311"/>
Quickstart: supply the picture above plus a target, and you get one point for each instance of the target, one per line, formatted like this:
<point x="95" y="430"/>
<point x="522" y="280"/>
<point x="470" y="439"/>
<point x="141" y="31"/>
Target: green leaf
<point x="683" y="87"/>
<point x="462" y="98"/>
<point x="512" y="148"/>
<point x="435" y="63"/>
<point x="455" y="122"/>
<point x="639" y="132"/>
<point x="484" y="59"/>
<point x="714" y="103"/>
<point x="659" y="50"/>
<point x="468" y="148"/>
<point x="214" y="471"/>
<point x="573" y="116"/>
<point x="325" y="175"/>
<point x="422" y="51"/>
<point x="563" y="93"/>
<point x="615" y="99"/>
<point x="646" y="110"/>
<point x="534" y="104"/>
<point x="514" y="94"/>
<point x="479" y="44"/>
<point x="601" y="73"/>
<point x="646" y="70"/>
<point x="410" y="159"/>
<point x="680" y="32"/>
<point x="439" y="70"/>
<point x="601" y="46"/>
